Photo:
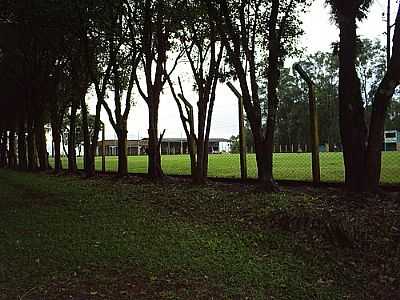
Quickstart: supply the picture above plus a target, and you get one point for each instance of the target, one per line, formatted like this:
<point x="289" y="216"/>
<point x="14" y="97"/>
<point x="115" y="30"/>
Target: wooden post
<point x="242" y="134"/>
<point x="313" y="124"/>
<point x="103" y="150"/>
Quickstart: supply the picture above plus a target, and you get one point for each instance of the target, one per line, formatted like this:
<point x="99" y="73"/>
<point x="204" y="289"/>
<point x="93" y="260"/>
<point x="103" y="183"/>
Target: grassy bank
<point x="287" y="166"/>
<point x="63" y="229"/>
<point x="64" y="237"/>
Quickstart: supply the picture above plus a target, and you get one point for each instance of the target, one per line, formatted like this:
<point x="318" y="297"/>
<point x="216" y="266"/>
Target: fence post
<point x="242" y="137"/>
<point x="313" y="124"/>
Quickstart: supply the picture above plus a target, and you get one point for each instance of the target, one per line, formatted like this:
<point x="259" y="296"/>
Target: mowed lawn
<point x="287" y="166"/>
<point x="67" y="238"/>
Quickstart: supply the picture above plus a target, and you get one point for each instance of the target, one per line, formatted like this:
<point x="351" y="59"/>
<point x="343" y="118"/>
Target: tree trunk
<point x="268" y="144"/>
<point x="192" y="154"/>
<point x="40" y="134"/>
<point x="12" y="151"/>
<point x="260" y="159"/>
<point x="3" y="148"/>
<point x="31" y="143"/>
<point x="95" y="138"/>
<point x="154" y="164"/>
<point x="72" y="138"/>
<point x="380" y="104"/>
<point x="123" y="151"/>
<point x="87" y="162"/>
<point x="22" y="158"/>
<point x="351" y="111"/>
<point x="57" y="147"/>
<point x="199" y="170"/>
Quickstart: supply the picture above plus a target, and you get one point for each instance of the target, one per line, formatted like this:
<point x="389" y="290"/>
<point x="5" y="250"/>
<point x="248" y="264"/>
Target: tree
<point x="101" y="52"/>
<point x="204" y="52"/>
<point x="123" y="76"/>
<point x="382" y="98"/>
<point x="241" y="25"/>
<point x="353" y="129"/>
<point x="158" y="22"/>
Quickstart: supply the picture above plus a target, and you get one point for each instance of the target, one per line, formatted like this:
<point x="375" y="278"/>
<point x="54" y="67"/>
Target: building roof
<point x="170" y="140"/>
<point x="178" y="140"/>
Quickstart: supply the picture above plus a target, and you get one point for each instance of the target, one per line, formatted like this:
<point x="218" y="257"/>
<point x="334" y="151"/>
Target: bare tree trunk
<point x="199" y="173"/>
<point x="12" y="150"/>
<point x="123" y="151"/>
<point x="201" y="152"/>
<point x="57" y="147"/>
<point x="154" y="164"/>
<point x="273" y="82"/>
<point x="31" y="143"/>
<point x="192" y="154"/>
<point x="87" y="164"/>
<point x="95" y="137"/>
<point x="381" y="102"/>
<point x="351" y="111"/>
<point x="41" y="143"/>
<point x="22" y="158"/>
<point x="260" y="159"/>
<point x="3" y="148"/>
<point x="72" y="137"/>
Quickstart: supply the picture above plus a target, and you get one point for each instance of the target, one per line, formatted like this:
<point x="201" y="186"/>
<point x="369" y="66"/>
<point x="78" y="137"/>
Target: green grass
<point x="287" y="166"/>
<point x="54" y="227"/>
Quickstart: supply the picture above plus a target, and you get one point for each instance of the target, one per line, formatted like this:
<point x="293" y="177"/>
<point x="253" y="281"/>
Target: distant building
<point x="392" y="140"/>
<point x="169" y="146"/>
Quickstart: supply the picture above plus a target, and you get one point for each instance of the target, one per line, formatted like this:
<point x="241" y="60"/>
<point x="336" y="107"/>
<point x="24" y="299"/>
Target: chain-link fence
<point x="291" y="162"/>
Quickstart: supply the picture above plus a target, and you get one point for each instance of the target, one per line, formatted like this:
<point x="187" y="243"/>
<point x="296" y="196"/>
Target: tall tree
<point x="353" y="129"/>
<point x="124" y="31"/>
<point x="204" y="52"/>
<point x="244" y="25"/>
<point x="380" y="105"/>
<point x="158" y="22"/>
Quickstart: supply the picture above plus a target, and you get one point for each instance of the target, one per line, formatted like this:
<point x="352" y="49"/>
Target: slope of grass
<point x="61" y="237"/>
<point x="287" y="166"/>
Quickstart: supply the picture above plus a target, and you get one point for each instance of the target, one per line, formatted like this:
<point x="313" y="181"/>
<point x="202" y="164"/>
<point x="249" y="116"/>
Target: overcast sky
<point x="320" y="32"/>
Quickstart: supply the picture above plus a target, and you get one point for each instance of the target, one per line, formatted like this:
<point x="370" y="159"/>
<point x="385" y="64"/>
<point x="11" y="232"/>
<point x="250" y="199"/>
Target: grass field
<point x="287" y="166"/>
<point x="64" y="237"/>
<point x="67" y="238"/>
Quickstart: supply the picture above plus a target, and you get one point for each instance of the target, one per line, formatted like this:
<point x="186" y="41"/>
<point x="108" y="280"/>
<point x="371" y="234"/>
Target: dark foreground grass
<point x="287" y="166"/>
<point x="67" y="238"/>
<point x="62" y="236"/>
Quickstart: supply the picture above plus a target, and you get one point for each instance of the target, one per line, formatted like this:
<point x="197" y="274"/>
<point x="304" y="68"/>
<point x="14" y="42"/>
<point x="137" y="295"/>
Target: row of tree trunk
<point x="24" y="146"/>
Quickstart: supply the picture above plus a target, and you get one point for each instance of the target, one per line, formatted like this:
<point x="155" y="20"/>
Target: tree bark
<point x="154" y="164"/>
<point x="56" y="133"/>
<point x="22" y="158"/>
<point x="273" y="75"/>
<point x="3" y="148"/>
<point x="123" y="151"/>
<point x="380" y="104"/>
<point x="87" y="162"/>
<point x="31" y="143"/>
<point x="72" y="167"/>
<point x="351" y="110"/>
<point x="12" y="151"/>
<point x="200" y="146"/>
<point x="40" y="134"/>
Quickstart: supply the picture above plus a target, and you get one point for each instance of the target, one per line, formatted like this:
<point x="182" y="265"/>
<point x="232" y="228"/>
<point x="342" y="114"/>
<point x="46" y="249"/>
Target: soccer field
<point x="287" y="166"/>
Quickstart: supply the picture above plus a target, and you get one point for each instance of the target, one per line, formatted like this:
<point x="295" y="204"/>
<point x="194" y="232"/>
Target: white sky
<point x="320" y="32"/>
